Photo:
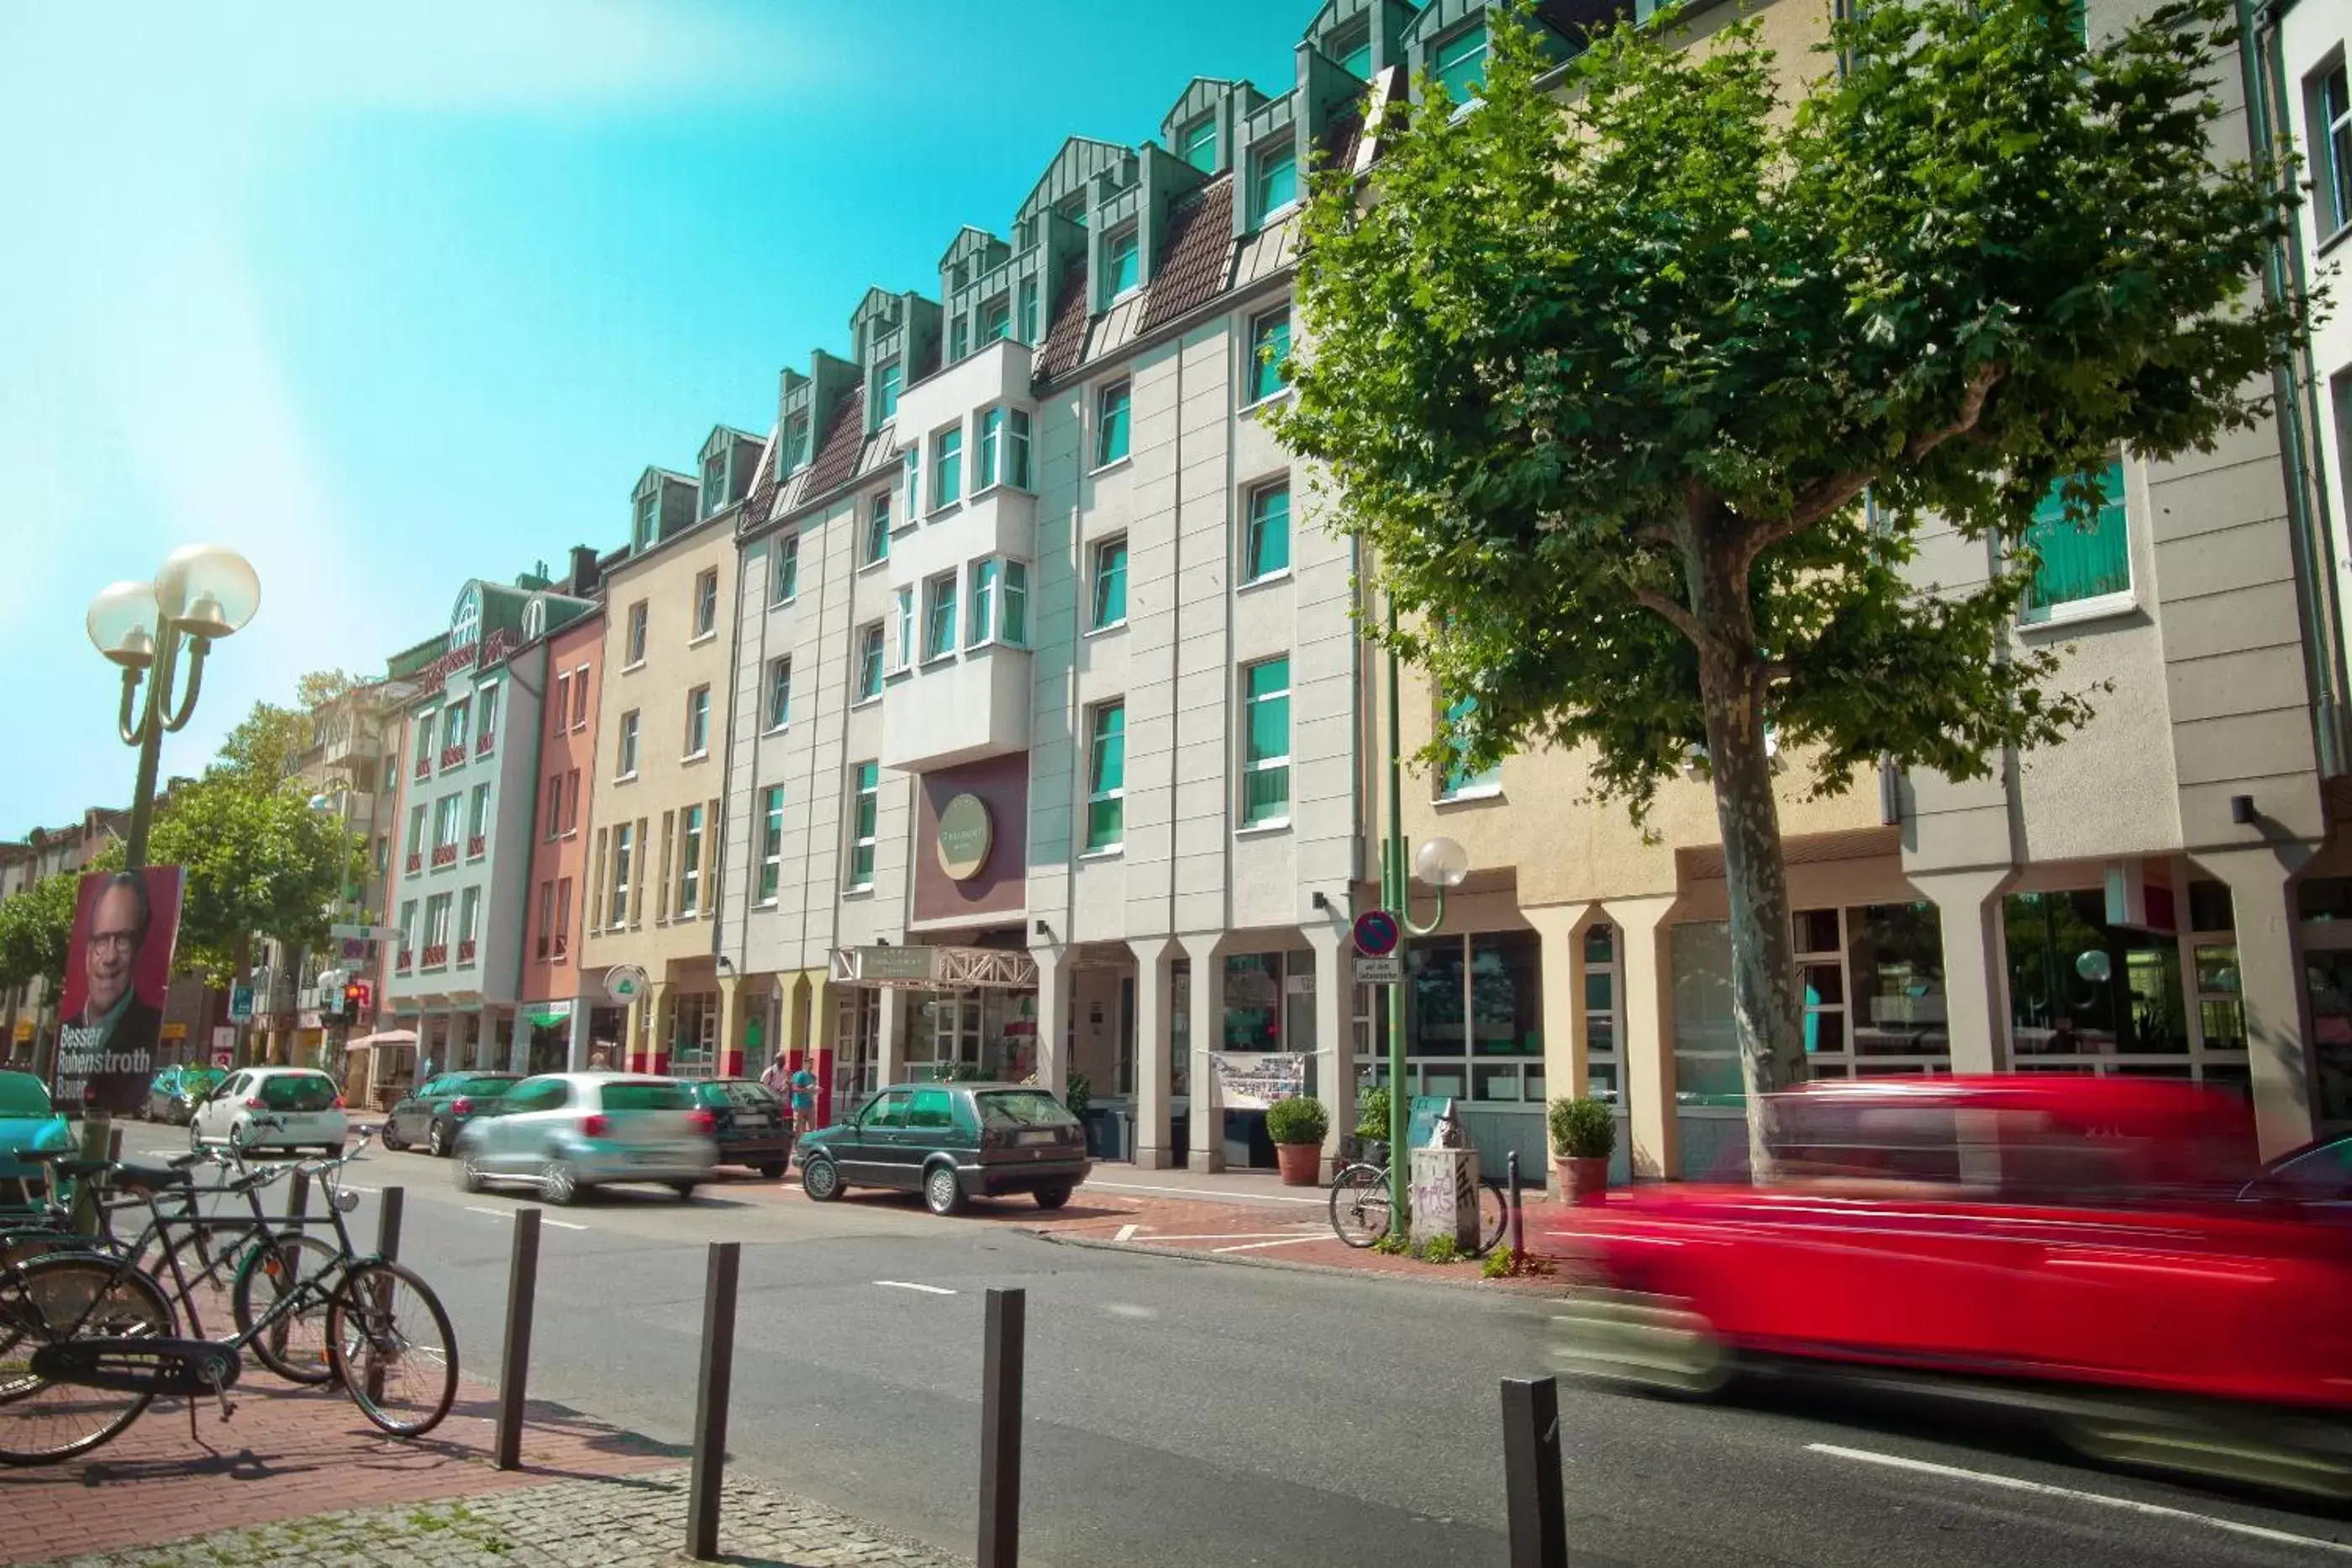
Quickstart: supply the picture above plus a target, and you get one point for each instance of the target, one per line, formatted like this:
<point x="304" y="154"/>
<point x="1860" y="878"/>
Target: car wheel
<point x="437" y="1139"/>
<point x="390" y="1136"/>
<point x="468" y="1174"/>
<point x="558" y="1183"/>
<point x="685" y="1191"/>
<point x="772" y="1171"/>
<point x="820" y="1179"/>
<point x="1051" y="1197"/>
<point x="942" y="1193"/>
<point x="1654" y="1342"/>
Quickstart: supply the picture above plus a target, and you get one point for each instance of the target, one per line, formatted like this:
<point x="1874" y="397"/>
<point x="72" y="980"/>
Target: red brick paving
<point x="287" y="1454"/>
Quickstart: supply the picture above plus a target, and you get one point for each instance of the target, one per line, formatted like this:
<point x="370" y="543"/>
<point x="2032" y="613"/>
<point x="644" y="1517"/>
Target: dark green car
<point x="950" y="1142"/>
<point x="433" y="1114"/>
<point x="175" y="1092"/>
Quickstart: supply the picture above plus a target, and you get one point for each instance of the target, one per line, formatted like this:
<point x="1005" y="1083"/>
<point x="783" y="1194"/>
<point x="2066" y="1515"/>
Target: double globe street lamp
<point x="204" y="593"/>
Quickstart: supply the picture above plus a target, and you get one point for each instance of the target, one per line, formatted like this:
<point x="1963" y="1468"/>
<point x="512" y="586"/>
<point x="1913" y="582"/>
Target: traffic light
<point x="358" y="998"/>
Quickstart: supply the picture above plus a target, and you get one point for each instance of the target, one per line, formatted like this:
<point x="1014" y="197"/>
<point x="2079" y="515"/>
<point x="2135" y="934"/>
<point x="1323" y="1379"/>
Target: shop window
<point x="2083" y="993"/>
<point x="1894" y="963"/>
<point x="2327" y="974"/>
<point x="1707" y="1040"/>
<point x="1473" y="1028"/>
<point x="2324" y="899"/>
<point x="1602" y="1066"/>
<point x="1253" y="1001"/>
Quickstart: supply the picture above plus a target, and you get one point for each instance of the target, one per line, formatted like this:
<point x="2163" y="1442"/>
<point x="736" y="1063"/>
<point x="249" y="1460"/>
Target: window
<point x="453" y="726"/>
<point x="552" y="811"/>
<point x="689" y="861"/>
<point x="869" y="661"/>
<point x="436" y="926"/>
<point x="2080" y="564"/>
<point x="478" y="814"/>
<point x="1106" y="776"/>
<point x="906" y="629"/>
<point x="636" y="635"/>
<point x="1458" y="63"/>
<point x="641" y="530"/>
<point x="445" y="819"/>
<point x="424" y="742"/>
<point x="572" y="801"/>
<point x="1017" y="455"/>
<point x="1014" y="628"/>
<point x="1273" y="181"/>
<point x="1601" y="1080"/>
<point x="486" y="727"/>
<point x="1265" y="743"/>
<point x="938" y="615"/>
<point x="796" y="442"/>
<point x="886" y="393"/>
<point x="1352" y="47"/>
<point x="983" y="602"/>
<point x="562" y="706"/>
<point x="784" y="568"/>
<point x="580" y="697"/>
<point x="959" y="340"/>
<point x="913" y="472"/>
<point x="697" y="722"/>
<point x="2331" y="150"/>
<point x="1109" y="601"/>
<point x="1267" y="547"/>
<point x="991" y="439"/>
<point x="627" y="749"/>
<point x="416" y="838"/>
<point x="877" y="529"/>
<point x="1110" y="424"/>
<point x="408" y="927"/>
<point x="1269" y="354"/>
<point x="1029" y="309"/>
<point x="996" y="319"/>
<point x="779" y="691"/>
<point x="947" y="468"/>
<point x="865" y="811"/>
<point x="625" y="841"/>
<point x="1122" y="263"/>
<point x="714" y="482"/>
<point x="469" y="921"/>
<point x="546" y="920"/>
<point x="706" y="603"/>
<point x="1201" y="143"/>
<point x="771" y="842"/>
<point x="1460" y="780"/>
<point x="562" y="915"/>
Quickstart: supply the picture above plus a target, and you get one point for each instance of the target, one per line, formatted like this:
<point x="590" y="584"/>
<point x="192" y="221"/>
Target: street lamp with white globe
<point x="204" y="593"/>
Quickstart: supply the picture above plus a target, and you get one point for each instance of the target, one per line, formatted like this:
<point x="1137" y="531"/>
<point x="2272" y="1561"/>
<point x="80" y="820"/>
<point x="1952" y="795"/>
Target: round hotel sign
<point x="624" y="983"/>
<point x="965" y="835"/>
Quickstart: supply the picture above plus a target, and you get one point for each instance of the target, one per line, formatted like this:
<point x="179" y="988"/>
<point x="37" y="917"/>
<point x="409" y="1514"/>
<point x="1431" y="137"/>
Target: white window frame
<point x="691" y="827"/>
<point x="940" y="501"/>
<point x="705" y="624"/>
<point x="625" y="845"/>
<point x="784" y="568"/>
<point x="624" y="747"/>
<point x="869" y="639"/>
<point x="1250" y="766"/>
<point x="1095" y="797"/>
<point x="939" y="593"/>
<point x="778" y="684"/>
<point x="635" y="635"/>
<point x="769" y="889"/>
<point x="869" y="843"/>
<point x="697" y="711"/>
<point x="1095" y="555"/>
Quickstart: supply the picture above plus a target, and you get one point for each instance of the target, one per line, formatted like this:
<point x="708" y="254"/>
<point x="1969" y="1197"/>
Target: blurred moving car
<point x="175" y="1092"/>
<point x="567" y="1133"/>
<point x="27" y="1122"/>
<point x="2317" y="1174"/>
<point x="950" y="1142"/>
<point x="433" y="1114"/>
<point x="749" y="1123"/>
<point x="272" y="1108"/>
<point x="2071" y="1246"/>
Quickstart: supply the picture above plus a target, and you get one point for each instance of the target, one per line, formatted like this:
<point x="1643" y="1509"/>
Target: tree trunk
<point x="1766" y="1011"/>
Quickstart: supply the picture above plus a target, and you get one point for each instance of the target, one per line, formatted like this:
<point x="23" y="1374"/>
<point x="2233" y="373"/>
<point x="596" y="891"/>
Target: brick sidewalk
<point x="287" y="1453"/>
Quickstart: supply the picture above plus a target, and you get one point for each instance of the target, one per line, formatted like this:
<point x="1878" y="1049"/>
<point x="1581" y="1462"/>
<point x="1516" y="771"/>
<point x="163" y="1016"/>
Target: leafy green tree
<point x="35" y="928"/>
<point x="268" y="743"/>
<point x="1642" y="394"/>
<point x="259" y="863"/>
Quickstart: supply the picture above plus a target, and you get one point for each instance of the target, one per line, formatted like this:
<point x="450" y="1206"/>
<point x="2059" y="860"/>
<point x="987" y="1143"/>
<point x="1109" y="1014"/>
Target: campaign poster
<point x="118" y="973"/>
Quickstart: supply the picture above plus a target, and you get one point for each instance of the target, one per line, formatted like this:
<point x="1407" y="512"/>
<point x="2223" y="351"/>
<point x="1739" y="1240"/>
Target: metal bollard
<point x="1518" y="1216"/>
<point x="387" y="1245"/>
<point x="709" y="1467"/>
<point x="298" y="1196"/>
<point x="114" y="1143"/>
<point x="1538" y="1523"/>
<point x="1000" y="1429"/>
<point x="92" y="1139"/>
<point x="514" y="1367"/>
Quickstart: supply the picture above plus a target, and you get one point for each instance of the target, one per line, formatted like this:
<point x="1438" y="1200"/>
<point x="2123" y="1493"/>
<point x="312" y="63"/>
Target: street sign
<point x="240" y="1002"/>
<point x="355" y="950"/>
<point x="1377" y="933"/>
<point x="1387" y="969"/>
<point x="363" y="933"/>
<point x="224" y="1059"/>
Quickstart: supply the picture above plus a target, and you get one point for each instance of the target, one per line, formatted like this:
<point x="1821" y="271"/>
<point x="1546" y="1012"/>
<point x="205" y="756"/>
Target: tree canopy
<point x="260" y="862"/>
<point x="36" y="929"/>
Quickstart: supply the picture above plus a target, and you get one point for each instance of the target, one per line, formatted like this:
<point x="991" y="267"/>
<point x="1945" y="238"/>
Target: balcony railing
<point x="444" y="855"/>
<point x="403" y="962"/>
<point x="424" y="765"/>
<point x="466" y="951"/>
<point x="483" y="742"/>
<point x="436" y="954"/>
<point x="477" y="846"/>
<point x="453" y="756"/>
<point x="415" y="862"/>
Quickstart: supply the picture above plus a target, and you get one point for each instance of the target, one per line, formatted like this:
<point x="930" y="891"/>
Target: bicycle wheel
<point x="390" y="1343"/>
<point x="1359" y="1204"/>
<point x="1493" y="1218"/>
<point x="293" y="1346"/>
<point x="208" y="1261"/>
<point x="61" y="1297"/>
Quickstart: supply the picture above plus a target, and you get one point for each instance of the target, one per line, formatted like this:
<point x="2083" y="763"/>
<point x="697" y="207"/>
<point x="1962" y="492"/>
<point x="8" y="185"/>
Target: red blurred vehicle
<point x="2098" y="1250"/>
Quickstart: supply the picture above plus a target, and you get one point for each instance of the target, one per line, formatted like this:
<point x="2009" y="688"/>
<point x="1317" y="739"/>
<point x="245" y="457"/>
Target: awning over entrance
<point x="933" y="968"/>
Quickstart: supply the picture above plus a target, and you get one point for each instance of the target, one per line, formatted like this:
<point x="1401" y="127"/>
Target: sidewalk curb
<point x="1471" y="1280"/>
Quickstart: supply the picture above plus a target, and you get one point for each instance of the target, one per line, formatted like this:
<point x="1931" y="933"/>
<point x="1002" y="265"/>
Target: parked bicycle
<point x="92" y="1340"/>
<point x="1361" y="1214"/>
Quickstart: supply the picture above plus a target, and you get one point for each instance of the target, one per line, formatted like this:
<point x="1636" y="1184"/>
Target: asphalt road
<point x="1183" y="1413"/>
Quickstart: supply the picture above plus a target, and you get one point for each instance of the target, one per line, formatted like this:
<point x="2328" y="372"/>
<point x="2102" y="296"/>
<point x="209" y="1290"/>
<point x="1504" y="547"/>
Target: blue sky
<point x="387" y="295"/>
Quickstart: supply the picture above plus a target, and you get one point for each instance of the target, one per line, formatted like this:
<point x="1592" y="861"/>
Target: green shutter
<point x="2079" y="562"/>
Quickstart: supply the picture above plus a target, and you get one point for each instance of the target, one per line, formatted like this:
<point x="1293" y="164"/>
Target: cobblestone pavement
<point x="625" y="1521"/>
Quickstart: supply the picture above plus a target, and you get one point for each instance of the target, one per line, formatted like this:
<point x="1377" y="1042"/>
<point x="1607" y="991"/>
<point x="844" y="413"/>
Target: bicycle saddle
<point x="148" y="1178"/>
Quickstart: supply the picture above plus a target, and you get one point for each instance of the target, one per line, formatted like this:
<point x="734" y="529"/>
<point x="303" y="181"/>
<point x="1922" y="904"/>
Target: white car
<point x="567" y="1133"/>
<point x="272" y="1108"/>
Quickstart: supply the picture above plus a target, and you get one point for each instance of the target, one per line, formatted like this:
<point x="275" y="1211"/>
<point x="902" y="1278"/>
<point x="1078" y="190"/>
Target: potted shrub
<point x="1583" y="1136"/>
<point x="1370" y="1143"/>
<point x="1296" y="1125"/>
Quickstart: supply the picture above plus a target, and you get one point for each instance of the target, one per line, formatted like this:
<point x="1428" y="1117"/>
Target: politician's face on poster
<point x="125" y="925"/>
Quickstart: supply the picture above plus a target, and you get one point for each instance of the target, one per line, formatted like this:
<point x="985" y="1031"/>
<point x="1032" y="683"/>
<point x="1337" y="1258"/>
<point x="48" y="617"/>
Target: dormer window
<point x="796" y="443"/>
<point x="1122" y="264"/>
<point x="641" y="534"/>
<point x="534" y="620"/>
<point x="1352" y="47"/>
<point x="465" y="625"/>
<point x="714" y="482"/>
<point x="1274" y="180"/>
<point x="1075" y="210"/>
<point x="886" y="393"/>
<point x="1458" y="63"/>
<point x="996" y="319"/>
<point x="1201" y="143"/>
<point x="1029" y="310"/>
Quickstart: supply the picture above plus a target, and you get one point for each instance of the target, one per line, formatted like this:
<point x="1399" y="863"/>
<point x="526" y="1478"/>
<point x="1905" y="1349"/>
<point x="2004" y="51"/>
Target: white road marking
<point x="1124" y="1231"/>
<point x="494" y="1213"/>
<point x="910" y="1285"/>
<point x="1199" y="1196"/>
<point x="2127" y="1505"/>
<point x="509" y="1214"/>
<point x="560" y="1223"/>
<point x="1257" y="1246"/>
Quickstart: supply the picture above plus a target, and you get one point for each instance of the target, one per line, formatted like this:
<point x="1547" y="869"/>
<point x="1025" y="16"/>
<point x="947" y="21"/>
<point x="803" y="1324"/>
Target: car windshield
<point x="201" y="1080"/>
<point x="2322" y="1175"/>
<point x="646" y="1097"/>
<point x="1021" y="1107"/>
<point x="297" y="1091"/>
<point x="21" y="1094"/>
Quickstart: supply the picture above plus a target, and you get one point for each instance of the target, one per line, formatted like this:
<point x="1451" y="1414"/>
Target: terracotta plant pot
<point x="1301" y="1163"/>
<point x="1581" y="1181"/>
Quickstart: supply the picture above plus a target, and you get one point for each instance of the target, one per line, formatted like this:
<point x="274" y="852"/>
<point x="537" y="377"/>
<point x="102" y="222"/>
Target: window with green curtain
<point x="1459" y="62"/>
<point x="939" y="615"/>
<point x="1265" y="741"/>
<point x="877" y="529"/>
<point x="1201" y="143"/>
<point x="886" y="392"/>
<point x="2079" y="562"/>
<point x="1353" y="50"/>
<point x="984" y="576"/>
<point x="996" y="319"/>
<point x="1106" y="777"/>
<point x="991" y="434"/>
<point x="947" y="468"/>
<point x="1459" y="777"/>
<point x="771" y="842"/>
<point x="1268" y="544"/>
<point x="1016" y="603"/>
<point x="1110" y="583"/>
<point x="1122" y="261"/>
<point x="865" y="813"/>
<point x="1110" y="424"/>
<point x="1269" y="354"/>
<point x="1274" y="180"/>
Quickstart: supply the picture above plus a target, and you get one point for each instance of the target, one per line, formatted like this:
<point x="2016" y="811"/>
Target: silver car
<point x="565" y="1132"/>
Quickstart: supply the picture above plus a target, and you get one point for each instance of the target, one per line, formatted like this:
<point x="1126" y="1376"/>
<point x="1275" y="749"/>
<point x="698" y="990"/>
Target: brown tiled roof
<point x="836" y="463"/>
<point x="1342" y="137"/>
<point x="1198" y="261"/>
<point x="1065" y="339"/>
